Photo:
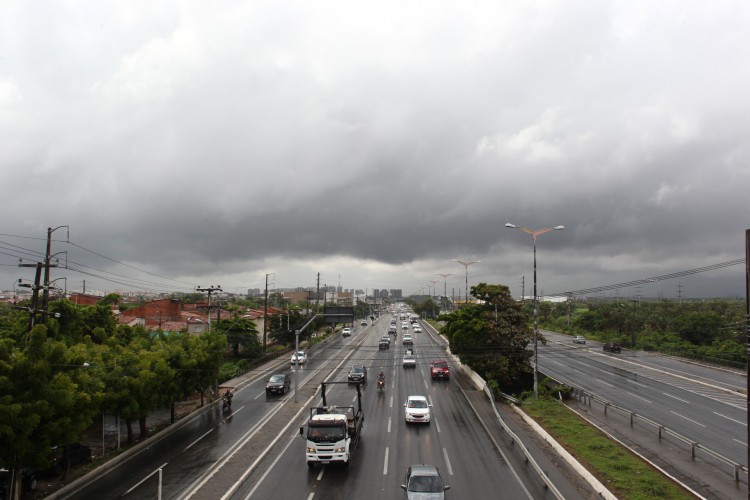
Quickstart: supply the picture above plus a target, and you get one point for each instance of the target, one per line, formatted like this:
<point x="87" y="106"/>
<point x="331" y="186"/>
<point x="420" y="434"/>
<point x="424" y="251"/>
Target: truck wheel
<point x="309" y="465"/>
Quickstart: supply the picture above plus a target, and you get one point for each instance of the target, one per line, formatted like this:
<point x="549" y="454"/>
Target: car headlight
<point x="340" y="449"/>
<point x="311" y="450"/>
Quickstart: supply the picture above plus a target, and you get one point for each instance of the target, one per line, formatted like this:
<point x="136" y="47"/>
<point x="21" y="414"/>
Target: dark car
<point x="278" y="384"/>
<point x="424" y="482"/>
<point x="612" y="347"/>
<point x="358" y="373"/>
<point x="384" y="343"/>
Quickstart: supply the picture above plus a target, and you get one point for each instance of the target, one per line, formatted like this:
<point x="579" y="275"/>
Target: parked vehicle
<point x="332" y="431"/>
<point x="439" y="369"/>
<point x="612" y="347"/>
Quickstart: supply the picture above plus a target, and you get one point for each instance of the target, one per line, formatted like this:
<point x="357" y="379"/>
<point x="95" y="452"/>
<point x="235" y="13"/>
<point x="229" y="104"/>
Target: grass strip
<point x="625" y="474"/>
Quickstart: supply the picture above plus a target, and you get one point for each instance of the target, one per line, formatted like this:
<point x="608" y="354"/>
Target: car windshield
<point x="425" y="484"/>
<point x="326" y="434"/>
<point x="440" y="365"/>
<point x="277" y="378"/>
<point x="357" y="369"/>
<point x="417" y="403"/>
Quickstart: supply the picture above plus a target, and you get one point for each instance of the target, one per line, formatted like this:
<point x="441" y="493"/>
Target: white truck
<point x="333" y="431"/>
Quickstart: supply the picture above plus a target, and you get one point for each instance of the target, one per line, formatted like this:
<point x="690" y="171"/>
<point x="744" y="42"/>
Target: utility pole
<point x="47" y="265"/>
<point x="747" y="336"/>
<point x="265" y="313"/>
<point x="35" y="291"/>
<point x="317" y="296"/>
<point x="210" y="290"/>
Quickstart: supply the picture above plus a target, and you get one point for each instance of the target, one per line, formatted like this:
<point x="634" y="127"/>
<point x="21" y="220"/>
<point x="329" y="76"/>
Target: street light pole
<point x="466" y="265"/>
<point x="534" y="234"/>
<point x="445" y="284"/>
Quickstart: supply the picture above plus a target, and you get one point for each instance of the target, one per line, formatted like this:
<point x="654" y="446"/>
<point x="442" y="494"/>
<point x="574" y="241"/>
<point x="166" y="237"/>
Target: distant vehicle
<point x="385" y="343"/>
<point x="407" y="340"/>
<point x="299" y="358"/>
<point x="417" y="329"/>
<point x="363" y="323"/>
<point x="410" y="361"/>
<point x="423" y="482"/>
<point x="357" y="373"/>
<point x="392" y="331"/>
<point x="278" y="383"/>
<point x="440" y="369"/>
<point x="346" y="332"/>
<point x="417" y="409"/>
<point x="579" y="339"/>
<point x="612" y="347"/>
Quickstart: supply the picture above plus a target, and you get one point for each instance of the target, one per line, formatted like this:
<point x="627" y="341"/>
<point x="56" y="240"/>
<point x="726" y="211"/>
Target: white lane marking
<point x="391" y="404"/>
<point x="233" y="413"/>
<point x="436" y="424"/>
<point x="145" y="478"/>
<point x="447" y="462"/>
<point x="320" y="474"/>
<point x="605" y="383"/>
<point x="638" y="397"/>
<point x="389" y="424"/>
<point x="638" y="383"/>
<point x="743" y="444"/>
<point x="191" y="444"/>
<point x="259" y="394"/>
<point x="730" y="418"/>
<point x="675" y="397"/>
<point x="429" y="398"/>
<point x="310" y="496"/>
<point x="689" y="419"/>
<point x="385" y="462"/>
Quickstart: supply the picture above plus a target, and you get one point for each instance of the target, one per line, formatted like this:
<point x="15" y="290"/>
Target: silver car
<point x="423" y="482"/>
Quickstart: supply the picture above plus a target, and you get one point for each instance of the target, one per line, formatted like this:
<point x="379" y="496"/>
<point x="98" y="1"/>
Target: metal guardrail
<point x="529" y="459"/>
<point x="662" y="430"/>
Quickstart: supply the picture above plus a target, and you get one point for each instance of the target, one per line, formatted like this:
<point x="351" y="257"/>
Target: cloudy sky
<point x="191" y="143"/>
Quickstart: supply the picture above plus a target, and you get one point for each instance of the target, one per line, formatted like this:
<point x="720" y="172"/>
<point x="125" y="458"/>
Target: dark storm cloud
<point x="379" y="143"/>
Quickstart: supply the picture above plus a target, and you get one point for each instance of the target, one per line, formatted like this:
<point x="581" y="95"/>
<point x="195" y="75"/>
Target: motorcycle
<point x="381" y="385"/>
<point x="226" y="404"/>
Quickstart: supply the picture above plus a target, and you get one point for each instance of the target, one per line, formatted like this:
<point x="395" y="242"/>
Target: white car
<point x="410" y="361"/>
<point x="363" y="323"/>
<point x="580" y="339"/>
<point x="299" y="358"/>
<point x="407" y="340"/>
<point x="417" y="329"/>
<point x="417" y="409"/>
<point x="346" y="332"/>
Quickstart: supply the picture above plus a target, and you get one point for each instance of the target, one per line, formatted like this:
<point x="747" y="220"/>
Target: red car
<point x="440" y="369"/>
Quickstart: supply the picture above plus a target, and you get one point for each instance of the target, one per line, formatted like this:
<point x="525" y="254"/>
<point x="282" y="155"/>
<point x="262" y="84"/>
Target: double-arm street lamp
<point x="466" y="265"/>
<point x="534" y="234"/>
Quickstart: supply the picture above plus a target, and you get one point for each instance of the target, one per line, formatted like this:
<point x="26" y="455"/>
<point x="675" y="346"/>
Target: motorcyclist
<point x="228" y="398"/>
<point x="381" y="377"/>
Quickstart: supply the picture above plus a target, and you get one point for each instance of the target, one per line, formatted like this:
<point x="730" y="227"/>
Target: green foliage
<point x="707" y="329"/>
<point x="56" y="380"/>
<point x="492" y="337"/>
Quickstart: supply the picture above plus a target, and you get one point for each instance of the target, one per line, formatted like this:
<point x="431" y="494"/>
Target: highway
<point x="257" y="452"/>
<point x="699" y="402"/>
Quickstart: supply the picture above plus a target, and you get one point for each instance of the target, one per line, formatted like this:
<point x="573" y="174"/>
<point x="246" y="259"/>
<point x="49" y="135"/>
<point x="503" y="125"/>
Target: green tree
<point x="492" y="336"/>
